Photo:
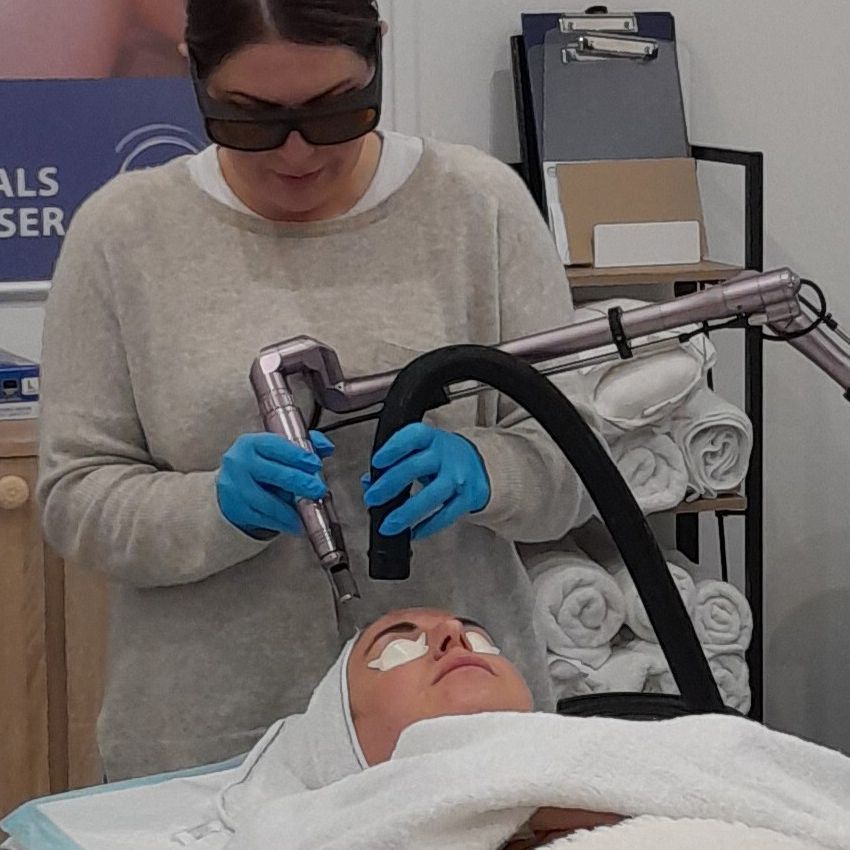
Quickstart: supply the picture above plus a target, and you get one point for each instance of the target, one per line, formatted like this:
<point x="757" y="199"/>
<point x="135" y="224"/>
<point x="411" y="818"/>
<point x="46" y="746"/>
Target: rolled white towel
<point x="569" y="678"/>
<point x="626" y="671"/>
<point x="729" y="669"/>
<point x="659" y="679"/>
<point x="636" y="617"/>
<point x="654" y="468"/>
<point x="703" y="571"/>
<point x="629" y="394"/>
<point x="716" y="439"/>
<point x="723" y="617"/>
<point x="578" y="607"/>
<point x="732" y="674"/>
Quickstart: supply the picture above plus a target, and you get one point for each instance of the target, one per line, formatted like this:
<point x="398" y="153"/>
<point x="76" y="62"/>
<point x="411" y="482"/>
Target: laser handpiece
<point x="282" y="416"/>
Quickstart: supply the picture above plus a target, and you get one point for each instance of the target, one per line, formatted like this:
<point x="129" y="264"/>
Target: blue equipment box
<point x="19" y="380"/>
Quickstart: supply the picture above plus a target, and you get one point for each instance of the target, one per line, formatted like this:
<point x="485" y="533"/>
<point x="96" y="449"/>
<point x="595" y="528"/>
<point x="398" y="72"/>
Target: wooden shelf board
<point x="732" y="503"/>
<point x="706" y="272"/>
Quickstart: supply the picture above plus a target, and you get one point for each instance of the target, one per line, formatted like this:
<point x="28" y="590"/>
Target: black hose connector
<point x="411" y="396"/>
<point x="421" y="386"/>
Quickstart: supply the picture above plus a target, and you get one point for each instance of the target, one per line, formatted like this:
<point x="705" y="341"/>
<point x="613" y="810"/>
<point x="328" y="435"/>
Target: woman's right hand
<point x="262" y="475"/>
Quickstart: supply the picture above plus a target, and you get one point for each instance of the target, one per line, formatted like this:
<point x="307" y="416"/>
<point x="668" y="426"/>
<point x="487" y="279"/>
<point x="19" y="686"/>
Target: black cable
<point x="828" y="318"/>
<point x="706" y="329"/>
<point x="355" y="420"/>
<point x="709" y="378"/>
<point x="420" y="387"/>
<point x="315" y="416"/>
<point x="822" y="316"/>
<point x="721" y="539"/>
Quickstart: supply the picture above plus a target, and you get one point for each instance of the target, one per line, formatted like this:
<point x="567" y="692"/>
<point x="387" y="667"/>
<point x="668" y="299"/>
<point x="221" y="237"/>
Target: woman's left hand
<point x="454" y="479"/>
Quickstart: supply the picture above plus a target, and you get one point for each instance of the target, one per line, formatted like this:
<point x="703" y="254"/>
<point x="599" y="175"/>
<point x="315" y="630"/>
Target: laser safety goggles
<point x="342" y="119"/>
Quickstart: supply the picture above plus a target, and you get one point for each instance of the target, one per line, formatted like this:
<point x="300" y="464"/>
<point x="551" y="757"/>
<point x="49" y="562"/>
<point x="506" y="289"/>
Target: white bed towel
<point x="716" y="439"/>
<point x="649" y="833"/>
<point x="653" y="467"/>
<point x="469" y="783"/>
<point x="723" y="617"/>
<point x="629" y="394"/>
<point x="578" y="607"/>
<point x="636" y="617"/>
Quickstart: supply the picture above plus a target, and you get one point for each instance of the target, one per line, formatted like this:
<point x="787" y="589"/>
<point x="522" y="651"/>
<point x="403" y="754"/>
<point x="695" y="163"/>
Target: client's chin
<point x="474" y="690"/>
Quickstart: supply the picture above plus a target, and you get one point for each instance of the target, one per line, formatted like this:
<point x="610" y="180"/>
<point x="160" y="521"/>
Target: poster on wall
<point x="84" y="97"/>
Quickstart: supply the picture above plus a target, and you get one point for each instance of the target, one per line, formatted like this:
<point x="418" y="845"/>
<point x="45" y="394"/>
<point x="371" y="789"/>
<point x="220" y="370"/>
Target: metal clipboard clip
<point x="598" y="23"/>
<point x="589" y="46"/>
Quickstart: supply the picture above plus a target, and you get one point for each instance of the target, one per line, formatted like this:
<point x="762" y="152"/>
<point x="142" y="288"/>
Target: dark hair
<point x="217" y="28"/>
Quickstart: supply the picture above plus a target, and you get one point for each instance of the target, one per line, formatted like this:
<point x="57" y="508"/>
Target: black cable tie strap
<point x="615" y="320"/>
<point x="686" y="336"/>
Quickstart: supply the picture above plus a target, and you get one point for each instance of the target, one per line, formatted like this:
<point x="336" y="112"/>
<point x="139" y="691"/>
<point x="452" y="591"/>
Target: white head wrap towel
<point x="303" y="752"/>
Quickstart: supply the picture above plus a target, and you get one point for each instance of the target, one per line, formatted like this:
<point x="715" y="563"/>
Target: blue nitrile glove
<point x="452" y="473"/>
<point x="260" y="477"/>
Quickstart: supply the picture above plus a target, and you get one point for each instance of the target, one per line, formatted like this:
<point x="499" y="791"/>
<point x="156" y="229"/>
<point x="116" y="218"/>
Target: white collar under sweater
<point x="399" y="157"/>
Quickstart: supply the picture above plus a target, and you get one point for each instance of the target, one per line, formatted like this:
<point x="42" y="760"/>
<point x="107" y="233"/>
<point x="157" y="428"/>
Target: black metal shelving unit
<point x="687" y="527"/>
<point x="687" y="524"/>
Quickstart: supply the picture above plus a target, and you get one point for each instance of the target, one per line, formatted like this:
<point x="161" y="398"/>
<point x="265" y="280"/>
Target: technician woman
<point x="302" y="219"/>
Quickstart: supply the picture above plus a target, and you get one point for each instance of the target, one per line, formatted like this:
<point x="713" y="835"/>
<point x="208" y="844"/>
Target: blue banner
<point x="63" y="139"/>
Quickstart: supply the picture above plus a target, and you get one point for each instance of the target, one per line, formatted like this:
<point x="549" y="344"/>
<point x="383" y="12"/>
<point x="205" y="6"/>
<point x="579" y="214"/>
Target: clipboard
<point x="529" y="74"/>
<point x="529" y="78"/>
<point x="535" y="25"/>
<point x="611" y="96"/>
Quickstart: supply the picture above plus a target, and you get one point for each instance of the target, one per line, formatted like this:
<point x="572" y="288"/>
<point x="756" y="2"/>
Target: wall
<point x="20" y="328"/>
<point x="756" y="77"/>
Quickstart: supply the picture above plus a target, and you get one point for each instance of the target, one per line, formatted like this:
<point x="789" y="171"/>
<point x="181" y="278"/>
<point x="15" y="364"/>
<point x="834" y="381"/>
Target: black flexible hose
<point x="421" y="387"/>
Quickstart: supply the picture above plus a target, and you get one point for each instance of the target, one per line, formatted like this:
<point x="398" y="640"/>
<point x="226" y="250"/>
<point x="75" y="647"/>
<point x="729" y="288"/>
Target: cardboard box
<point x="626" y="192"/>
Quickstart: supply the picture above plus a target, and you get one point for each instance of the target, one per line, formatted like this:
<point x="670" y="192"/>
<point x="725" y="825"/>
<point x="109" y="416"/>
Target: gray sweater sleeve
<point x="536" y="495"/>
<point x="105" y="504"/>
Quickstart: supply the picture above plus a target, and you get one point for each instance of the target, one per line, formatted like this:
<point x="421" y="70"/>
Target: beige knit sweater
<point x="162" y="299"/>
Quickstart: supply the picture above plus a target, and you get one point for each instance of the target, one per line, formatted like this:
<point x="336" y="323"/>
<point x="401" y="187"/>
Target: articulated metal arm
<point x="770" y="298"/>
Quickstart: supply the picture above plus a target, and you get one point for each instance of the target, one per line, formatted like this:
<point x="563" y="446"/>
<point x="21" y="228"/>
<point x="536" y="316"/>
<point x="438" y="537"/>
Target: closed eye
<point x="396" y="628"/>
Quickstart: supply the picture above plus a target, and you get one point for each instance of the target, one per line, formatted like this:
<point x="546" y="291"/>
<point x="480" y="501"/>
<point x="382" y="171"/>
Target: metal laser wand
<point x="282" y="416"/>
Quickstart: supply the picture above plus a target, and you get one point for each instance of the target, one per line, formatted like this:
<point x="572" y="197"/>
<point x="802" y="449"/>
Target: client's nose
<point x="448" y="635"/>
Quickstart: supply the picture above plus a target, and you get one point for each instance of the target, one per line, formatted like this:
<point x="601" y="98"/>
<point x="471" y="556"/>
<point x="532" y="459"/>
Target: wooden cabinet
<point x="24" y="589"/>
<point x="52" y="643"/>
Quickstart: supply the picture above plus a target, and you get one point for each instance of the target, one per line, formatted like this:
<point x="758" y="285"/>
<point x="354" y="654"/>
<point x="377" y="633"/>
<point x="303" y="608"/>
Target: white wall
<point x="20" y="328"/>
<point x="757" y="76"/>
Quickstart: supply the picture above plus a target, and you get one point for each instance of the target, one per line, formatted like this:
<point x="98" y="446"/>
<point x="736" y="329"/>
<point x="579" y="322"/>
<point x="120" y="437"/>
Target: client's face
<point x="421" y="663"/>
